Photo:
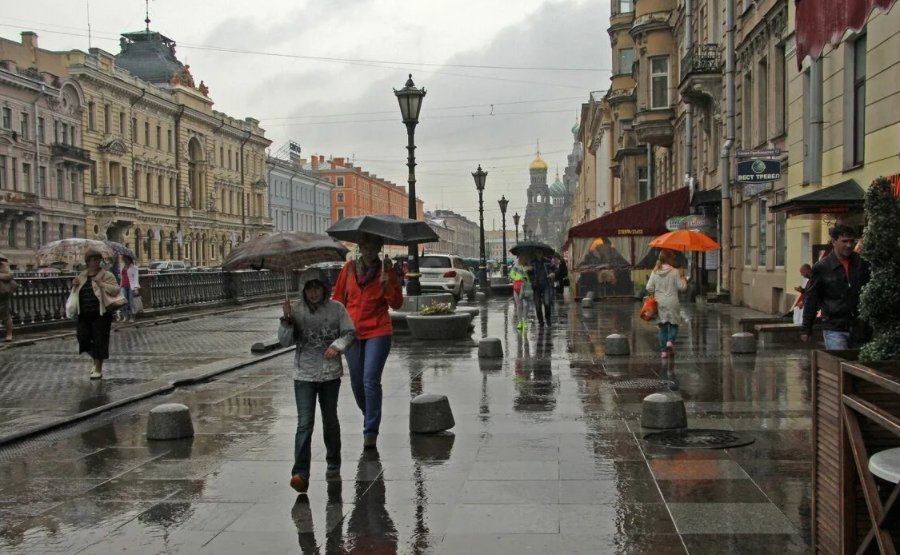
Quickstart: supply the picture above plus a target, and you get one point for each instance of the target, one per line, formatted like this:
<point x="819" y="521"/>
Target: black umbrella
<point x="393" y="230"/>
<point x="531" y="248"/>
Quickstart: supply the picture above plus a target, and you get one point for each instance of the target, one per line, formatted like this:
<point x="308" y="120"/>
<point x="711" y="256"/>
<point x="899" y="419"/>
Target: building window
<point x="762" y="228"/>
<point x="42" y="180"/>
<point x="14" y="166"/>
<point x="748" y="234"/>
<point x="74" y="231"/>
<point x="11" y="232"/>
<point x="340" y="214"/>
<point x="7" y="118"/>
<point x="26" y="175"/>
<point x="747" y="101"/>
<point x="780" y="238"/>
<point x="61" y="231"/>
<point x="91" y="124"/>
<point x="74" y="181"/>
<point x="643" y="184"/>
<point x="762" y="99"/>
<point x="339" y="182"/>
<point x="134" y="130"/>
<point x="60" y="183"/>
<point x="122" y="124"/>
<point x="40" y="130"/>
<point x="229" y="158"/>
<point x="23" y="126"/>
<point x="859" y="100"/>
<point x="29" y="233"/>
<point x="626" y="6"/>
<point x="169" y="140"/>
<point x="812" y="155"/>
<point x="340" y="197"/>
<point x="3" y="172"/>
<point x="659" y="82"/>
<point x="45" y="232"/>
<point x="107" y="118"/>
<point x="781" y="84"/>
<point x="626" y="60"/>
<point x="158" y="137"/>
<point x="147" y="133"/>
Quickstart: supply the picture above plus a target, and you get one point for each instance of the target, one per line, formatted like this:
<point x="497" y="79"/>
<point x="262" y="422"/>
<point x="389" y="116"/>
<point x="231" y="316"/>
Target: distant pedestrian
<point x="367" y="288"/>
<point x="322" y="331"/>
<point x="8" y="286"/>
<point x="664" y="284"/>
<point x="522" y="292"/>
<point x="541" y="276"/>
<point x="797" y="309"/>
<point x="562" y="277"/>
<point x="834" y="286"/>
<point x="98" y="297"/>
<point x="131" y="286"/>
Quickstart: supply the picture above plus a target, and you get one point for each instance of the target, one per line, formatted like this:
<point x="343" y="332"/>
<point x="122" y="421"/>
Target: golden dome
<point x="538" y="164"/>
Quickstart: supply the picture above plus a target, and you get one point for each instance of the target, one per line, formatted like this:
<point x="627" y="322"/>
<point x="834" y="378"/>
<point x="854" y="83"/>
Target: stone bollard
<point x="169" y="421"/>
<point x="430" y="413"/>
<point x="587" y="302"/>
<point x="490" y="347"/>
<point x="616" y="344"/>
<point x="663" y="411"/>
<point x="480" y="296"/>
<point x="590" y="295"/>
<point x="743" y="342"/>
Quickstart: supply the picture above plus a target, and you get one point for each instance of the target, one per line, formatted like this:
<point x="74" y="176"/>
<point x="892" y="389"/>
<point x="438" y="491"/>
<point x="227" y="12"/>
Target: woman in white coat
<point x="664" y="284"/>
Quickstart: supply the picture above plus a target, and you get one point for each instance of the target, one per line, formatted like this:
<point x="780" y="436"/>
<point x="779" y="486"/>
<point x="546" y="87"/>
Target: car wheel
<point x="457" y="295"/>
<point x="471" y="294"/>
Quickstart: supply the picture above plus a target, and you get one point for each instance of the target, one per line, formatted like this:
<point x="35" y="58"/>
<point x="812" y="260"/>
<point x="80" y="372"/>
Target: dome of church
<point x="557" y="189"/>
<point x="538" y="164"/>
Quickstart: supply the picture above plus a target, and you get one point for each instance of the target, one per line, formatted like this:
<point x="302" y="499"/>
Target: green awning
<point x="844" y="198"/>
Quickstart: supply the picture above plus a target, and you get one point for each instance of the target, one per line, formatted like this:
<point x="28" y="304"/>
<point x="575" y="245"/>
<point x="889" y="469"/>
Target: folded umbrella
<point x="393" y="230"/>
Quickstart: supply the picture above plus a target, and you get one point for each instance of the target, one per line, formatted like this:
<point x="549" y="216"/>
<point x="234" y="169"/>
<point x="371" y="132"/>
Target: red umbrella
<point x="685" y="240"/>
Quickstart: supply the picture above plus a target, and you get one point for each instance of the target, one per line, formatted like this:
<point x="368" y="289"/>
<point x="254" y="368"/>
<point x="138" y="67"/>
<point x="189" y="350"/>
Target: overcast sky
<point x="321" y="73"/>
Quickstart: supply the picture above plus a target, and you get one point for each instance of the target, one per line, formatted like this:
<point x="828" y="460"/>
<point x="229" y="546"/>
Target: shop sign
<point x="758" y="171"/>
<point x="894" y="180"/>
<point x="630" y="231"/>
<point x="693" y="222"/>
<point x="758" y="153"/>
<point x="754" y="189"/>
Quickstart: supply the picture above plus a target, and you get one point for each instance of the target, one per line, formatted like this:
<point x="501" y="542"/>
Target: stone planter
<point x="439" y="326"/>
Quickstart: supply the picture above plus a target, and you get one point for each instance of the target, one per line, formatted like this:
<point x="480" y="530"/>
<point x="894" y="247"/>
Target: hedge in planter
<point x="880" y="298"/>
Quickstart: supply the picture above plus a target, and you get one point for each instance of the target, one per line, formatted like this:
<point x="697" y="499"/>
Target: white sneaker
<point x="96" y="375"/>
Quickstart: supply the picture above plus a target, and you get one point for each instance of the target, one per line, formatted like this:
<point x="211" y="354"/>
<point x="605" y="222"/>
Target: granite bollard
<point x="743" y="342"/>
<point x="430" y="413"/>
<point x="616" y="344"/>
<point x="587" y="302"/>
<point x="170" y="421"/>
<point x="663" y="411"/>
<point x="490" y="347"/>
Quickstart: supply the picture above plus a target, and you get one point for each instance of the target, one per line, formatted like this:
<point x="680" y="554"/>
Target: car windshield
<point x="434" y="262"/>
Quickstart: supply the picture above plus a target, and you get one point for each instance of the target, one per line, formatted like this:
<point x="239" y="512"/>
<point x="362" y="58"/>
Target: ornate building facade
<point x="42" y="164"/>
<point x="170" y="177"/>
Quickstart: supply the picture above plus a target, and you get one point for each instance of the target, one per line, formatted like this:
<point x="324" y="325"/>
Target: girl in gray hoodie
<point x="322" y="331"/>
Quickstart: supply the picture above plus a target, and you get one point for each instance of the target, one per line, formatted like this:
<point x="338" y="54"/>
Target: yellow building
<point x="171" y="177"/>
<point x="844" y="131"/>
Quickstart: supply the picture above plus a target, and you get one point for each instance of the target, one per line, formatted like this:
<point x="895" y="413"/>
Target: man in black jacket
<point x="834" y="286"/>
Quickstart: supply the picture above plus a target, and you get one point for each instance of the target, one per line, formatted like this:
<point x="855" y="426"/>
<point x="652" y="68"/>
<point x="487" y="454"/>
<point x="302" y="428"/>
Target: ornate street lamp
<point x="516" y="223"/>
<point x="410" y="99"/>
<point x="503" y="203"/>
<point x="525" y="230"/>
<point x="480" y="177"/>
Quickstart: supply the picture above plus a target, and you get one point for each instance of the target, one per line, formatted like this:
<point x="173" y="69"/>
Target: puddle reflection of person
<point x="370" y="528"/>
<point x="301" y="514"/>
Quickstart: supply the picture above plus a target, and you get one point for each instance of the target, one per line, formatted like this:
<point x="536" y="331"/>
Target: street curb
<point x="168" y="388"/>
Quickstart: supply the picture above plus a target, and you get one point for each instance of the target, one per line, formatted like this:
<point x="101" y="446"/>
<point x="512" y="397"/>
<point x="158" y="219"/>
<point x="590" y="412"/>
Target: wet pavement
<point x="546" y="456"/>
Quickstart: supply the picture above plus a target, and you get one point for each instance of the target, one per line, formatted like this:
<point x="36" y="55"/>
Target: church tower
<point x="538" y="198"/>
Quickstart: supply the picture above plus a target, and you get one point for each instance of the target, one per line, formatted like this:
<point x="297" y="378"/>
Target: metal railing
<point x="701" y="58"/>
<point x="42" y="299"/>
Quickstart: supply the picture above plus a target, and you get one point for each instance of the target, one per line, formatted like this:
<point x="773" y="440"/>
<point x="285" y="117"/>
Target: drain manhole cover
<point x="699" y="439"/>
<point x="645" y="383"/>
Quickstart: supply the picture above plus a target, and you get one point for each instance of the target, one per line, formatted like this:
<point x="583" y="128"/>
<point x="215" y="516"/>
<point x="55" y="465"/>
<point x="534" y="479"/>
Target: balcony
<point x="655" y="127"/>
<point x="70" y="155"/>
<point x="651" y="22"/>
<point x="701" y="75"/>
<point x="18" y="200"/>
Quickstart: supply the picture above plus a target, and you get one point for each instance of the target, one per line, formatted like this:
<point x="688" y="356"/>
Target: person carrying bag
<point x="96" y="298"/>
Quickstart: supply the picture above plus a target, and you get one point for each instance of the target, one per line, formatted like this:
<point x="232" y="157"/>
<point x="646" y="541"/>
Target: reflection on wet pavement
<point x="546" y="456"/>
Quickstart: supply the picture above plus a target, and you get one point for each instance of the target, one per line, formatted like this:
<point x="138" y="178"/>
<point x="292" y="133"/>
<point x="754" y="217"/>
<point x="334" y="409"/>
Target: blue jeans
<point x="667" y="332"/>
<point x="126" y="310"/>
<point x="365" y="359"/>
<point x="305" y="394"/>
<point x="836" y="340"/>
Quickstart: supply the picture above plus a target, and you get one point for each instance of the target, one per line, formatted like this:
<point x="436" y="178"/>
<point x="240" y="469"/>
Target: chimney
<point x="338" y="161"/>
<point x="322" y="159"/>
<point x="29" y="39"/>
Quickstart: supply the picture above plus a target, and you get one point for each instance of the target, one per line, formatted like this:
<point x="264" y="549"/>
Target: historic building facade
<point x="299" y="200"/>
<point x="42" y="164"/>
<point x="169" y="177"/>
<point x="466" y="233"/>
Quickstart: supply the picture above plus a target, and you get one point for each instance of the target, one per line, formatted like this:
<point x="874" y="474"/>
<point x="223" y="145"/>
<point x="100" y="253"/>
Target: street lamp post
<point x="410" y="99"/>
<point x="516" y="223"/>
<point x="503" y="204"/>
<point x="525" y="231"/>
<point x="480" y="177"/>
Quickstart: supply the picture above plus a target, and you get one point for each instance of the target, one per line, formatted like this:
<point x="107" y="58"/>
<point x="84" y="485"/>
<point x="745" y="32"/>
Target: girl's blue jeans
<point x="366" y="359"/>
<point x="667" y="332"/>
<point x="305" y="393"/>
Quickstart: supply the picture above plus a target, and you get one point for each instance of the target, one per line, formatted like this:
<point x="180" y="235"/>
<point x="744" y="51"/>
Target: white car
<point x="445" y="273"/>
<point x="167" y="266"/>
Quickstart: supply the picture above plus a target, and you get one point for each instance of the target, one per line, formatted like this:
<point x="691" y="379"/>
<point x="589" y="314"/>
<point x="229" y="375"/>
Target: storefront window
<point x="780" y="239"/>
<point x="748" y="234"/>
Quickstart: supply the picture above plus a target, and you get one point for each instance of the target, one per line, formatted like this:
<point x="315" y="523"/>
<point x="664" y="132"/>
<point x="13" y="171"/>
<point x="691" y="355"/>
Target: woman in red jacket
<point x="367" y="288"/>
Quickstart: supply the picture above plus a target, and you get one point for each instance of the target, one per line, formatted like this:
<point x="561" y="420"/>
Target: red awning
<point x="821" y="22"/>
<point x="644" y="218"/>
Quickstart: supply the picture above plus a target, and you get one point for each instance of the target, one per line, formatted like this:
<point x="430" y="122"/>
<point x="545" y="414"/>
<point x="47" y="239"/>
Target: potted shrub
<point x="439" y="321"/>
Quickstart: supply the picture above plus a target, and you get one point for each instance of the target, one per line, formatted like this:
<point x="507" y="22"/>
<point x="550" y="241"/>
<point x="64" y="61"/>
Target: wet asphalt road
<point x="547" y="454"/>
